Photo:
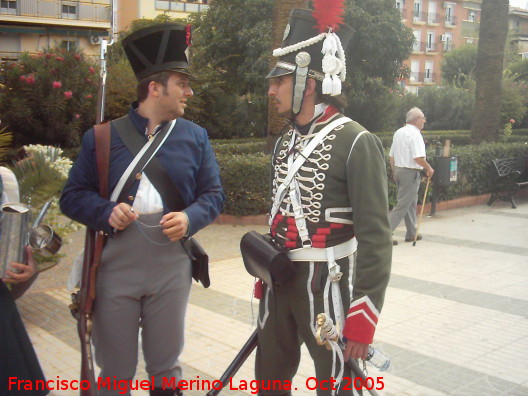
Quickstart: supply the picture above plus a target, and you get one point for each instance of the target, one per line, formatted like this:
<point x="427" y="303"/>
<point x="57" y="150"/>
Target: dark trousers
<point x="287" y="318"/>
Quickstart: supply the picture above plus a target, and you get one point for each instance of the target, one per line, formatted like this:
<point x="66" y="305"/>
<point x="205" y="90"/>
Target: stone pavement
<point x="455" y="320"/>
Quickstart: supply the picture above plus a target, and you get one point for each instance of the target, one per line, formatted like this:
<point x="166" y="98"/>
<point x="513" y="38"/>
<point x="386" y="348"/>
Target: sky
<point x="518" y="3"/>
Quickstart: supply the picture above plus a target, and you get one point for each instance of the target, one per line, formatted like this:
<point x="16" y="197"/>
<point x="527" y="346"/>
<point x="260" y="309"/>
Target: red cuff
<point x="361" y="321"/>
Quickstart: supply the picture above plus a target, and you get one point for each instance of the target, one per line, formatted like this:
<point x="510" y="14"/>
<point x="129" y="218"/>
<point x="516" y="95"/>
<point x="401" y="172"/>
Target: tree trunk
<point x="488" y="73"/>
<point x="281" y="13"/>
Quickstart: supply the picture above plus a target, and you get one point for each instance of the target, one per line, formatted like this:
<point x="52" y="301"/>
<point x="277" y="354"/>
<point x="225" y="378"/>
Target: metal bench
<point x="510" y="176"/>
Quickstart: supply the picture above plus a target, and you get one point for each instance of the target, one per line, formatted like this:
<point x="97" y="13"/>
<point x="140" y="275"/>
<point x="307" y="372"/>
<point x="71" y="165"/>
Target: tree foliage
<point x="49" y="97"/>
<point x="380" y="45"/>
<point x="230" y="53"/>
<point x="518" y="70"/>
<point x="459" y="65"/>
<point x="233" y="59"/>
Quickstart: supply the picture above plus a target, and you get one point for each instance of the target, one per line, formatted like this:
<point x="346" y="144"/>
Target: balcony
<point x="15" y="55"/>
<point x="429" y="78"/>
<point x="422" y="78"/>
<point x="519" y="34"/>
<point x="419" y="17"/>
<point x="62" y="12"/>
<point x="429" y="47"/>
<point x="433" y="18"/>
<point x="182" y="5"/>
<point x="448" y="46"/>
<point x="450" y="20"/>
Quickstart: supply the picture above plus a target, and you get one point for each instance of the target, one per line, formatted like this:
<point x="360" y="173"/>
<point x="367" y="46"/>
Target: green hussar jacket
<point x="344" y="195"/>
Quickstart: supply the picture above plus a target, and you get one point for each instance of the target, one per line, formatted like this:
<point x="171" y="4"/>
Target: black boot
<point x="166" y="392"/>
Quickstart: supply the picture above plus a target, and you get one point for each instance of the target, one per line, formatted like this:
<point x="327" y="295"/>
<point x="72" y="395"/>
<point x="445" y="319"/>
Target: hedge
<point x="458" y="138"/>
<point x="246" y="178"/>
<point x="246" y="182"/>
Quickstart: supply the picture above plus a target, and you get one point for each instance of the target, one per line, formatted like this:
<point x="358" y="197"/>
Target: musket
<point x="248" y="348"/>
<point x="101" y="93"/>
<point x="94" y="242"/>
<point x="237" y="362"/>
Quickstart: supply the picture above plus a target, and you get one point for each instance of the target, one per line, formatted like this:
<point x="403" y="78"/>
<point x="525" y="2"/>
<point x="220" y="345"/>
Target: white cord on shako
<point x="334" y="66"/>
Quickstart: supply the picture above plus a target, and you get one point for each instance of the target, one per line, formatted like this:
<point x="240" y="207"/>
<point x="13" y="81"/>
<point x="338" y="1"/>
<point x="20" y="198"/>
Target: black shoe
<point x="394" y="242"/>
<point x="418" y="238"/>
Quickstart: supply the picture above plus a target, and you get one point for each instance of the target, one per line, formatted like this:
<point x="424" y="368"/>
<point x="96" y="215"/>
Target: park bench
<point x="510" y="175"/>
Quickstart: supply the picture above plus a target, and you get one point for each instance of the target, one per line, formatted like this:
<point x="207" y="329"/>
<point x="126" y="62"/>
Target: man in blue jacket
<point x="145" y="274"/>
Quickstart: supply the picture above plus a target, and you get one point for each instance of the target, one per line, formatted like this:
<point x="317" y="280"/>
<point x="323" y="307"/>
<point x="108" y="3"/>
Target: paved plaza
<point x="455" y="320"/>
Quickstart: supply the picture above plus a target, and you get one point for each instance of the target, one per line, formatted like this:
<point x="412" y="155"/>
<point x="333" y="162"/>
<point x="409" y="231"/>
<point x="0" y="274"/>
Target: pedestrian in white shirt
<point x="407" y="159"/>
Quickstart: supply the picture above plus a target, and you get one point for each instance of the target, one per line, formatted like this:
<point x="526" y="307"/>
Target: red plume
<point x="328" y="13"/>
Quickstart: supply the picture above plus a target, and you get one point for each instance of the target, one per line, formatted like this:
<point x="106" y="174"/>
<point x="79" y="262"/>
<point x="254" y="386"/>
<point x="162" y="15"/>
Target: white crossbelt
<point x="344" y="249"/>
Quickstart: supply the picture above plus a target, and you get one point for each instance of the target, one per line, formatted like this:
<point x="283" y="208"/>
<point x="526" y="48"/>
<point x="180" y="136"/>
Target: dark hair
<point x="142" y="86"/>
<point x="339" y="101"/>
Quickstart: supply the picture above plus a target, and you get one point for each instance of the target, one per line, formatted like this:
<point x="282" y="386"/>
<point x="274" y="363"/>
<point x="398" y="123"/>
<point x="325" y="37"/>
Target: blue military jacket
<point x="186" y="155"/>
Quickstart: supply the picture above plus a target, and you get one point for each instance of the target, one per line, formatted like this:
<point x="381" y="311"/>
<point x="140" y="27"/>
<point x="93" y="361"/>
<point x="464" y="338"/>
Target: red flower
<point x="91" y="69"/>
<point x="89" y="96"/>
<point x="57" y="84"/>
<point x="23" y="78"/>
<point x="59" y="58"/>
<point x="77" y="56"/>
<point x="512" y="121"/>
<point x="30" y="79"/>
<point x="68" y="94"/>
<point x="77" y="116"/>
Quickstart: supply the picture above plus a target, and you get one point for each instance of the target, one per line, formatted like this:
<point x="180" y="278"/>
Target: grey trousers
<point x="408" y="183"/>
<point x="145" y="285"/>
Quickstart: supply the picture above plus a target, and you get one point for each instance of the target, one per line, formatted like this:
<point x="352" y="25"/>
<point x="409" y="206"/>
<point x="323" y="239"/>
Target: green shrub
<point x="246" y="182"/>
<point x="248" y="147"/>
<point x="246" y="177"/>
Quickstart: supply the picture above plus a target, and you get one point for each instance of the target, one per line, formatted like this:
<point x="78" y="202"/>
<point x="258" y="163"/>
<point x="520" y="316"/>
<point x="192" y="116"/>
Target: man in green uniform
<point x="330" y="209"/>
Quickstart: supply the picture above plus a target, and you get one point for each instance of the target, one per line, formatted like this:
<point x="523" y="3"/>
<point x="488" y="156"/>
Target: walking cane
<point x="421" y="210"/>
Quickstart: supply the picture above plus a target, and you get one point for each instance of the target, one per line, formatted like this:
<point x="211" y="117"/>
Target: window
<point x="68" y="45"/>
<point x="432" y="16"/>
<point x="430" y="43"/>
<point x="417" y="40"/>
<point x="449" y="13"/>
<point x="428" y="75"/>
<point x="448" y="41"/>
<point x="415" y="71"/>
<point x="69" y="10"/>
<point x="472" y="16"/>
<point x="417" y="11"/>
<point x="8" y="7"/>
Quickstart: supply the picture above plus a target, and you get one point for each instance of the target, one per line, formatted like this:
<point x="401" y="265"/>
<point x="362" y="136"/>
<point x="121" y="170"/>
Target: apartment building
<point x="438" y="27"/>
<point x="130" y="10"/>
<point x="518" y="28"/>
<point x="33" y="25"/>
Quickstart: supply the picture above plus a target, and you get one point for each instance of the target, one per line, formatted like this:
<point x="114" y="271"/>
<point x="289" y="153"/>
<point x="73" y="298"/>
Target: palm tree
<point x="281" y="12"/>
<point x="488" y="73"/>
